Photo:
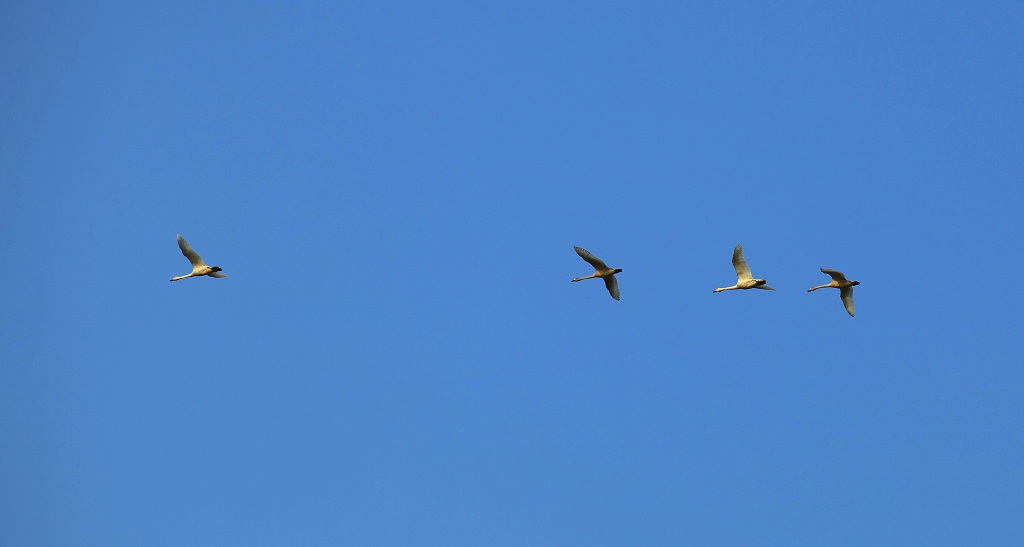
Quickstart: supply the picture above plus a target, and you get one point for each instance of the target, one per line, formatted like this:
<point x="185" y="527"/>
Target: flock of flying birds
<point x="743" y="278"/>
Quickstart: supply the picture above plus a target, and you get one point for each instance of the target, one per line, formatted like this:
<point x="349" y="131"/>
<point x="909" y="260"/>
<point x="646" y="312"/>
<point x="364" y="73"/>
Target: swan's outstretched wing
<point x="217" y="274"/>
<point x="191" y="255"/>
<point x="847" y="295"/>
<point x="738" y="262"/>
<point x="593" y="260"/>
<point x="836" y="276"/>
<point x="765" y="287"/>
<point x="613" y="286"/>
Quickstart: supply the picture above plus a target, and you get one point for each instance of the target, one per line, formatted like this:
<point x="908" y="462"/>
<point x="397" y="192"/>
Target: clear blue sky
<point x="398" y="357"/>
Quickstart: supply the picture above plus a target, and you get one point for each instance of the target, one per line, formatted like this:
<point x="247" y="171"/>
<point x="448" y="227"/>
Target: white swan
<point x="744" y="279"/>
<point x="845" y="288"/>
<point x="600" y="270"/>
<point x="198" y="266"/>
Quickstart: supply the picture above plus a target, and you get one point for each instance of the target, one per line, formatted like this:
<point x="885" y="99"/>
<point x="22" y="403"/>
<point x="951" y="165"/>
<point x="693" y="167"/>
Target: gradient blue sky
<point x="398" y="357"/>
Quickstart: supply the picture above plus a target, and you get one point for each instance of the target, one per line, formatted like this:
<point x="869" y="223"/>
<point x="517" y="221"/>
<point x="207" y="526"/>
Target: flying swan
<point x="744" y="279"/>
<point x="198" y="266"/>
<point x="600" y="270"/>
<point x="845" y="288"/>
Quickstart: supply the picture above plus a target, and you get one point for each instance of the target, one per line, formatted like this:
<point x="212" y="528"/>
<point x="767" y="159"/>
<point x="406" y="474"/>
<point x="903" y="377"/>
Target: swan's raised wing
<point x="613" y="286"/>
<point x="835" y="275"/>
<point x="847" y="295"/>
<point x="593" y="260"/>
<point x="191" y="255"/>
<point x="738" y="262"/>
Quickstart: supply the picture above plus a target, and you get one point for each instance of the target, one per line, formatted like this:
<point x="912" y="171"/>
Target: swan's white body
<point x="743" y="278"/>
<point x="198" y="266"/>
<point x="600" y="270"/>
<point x="840" y="282"/>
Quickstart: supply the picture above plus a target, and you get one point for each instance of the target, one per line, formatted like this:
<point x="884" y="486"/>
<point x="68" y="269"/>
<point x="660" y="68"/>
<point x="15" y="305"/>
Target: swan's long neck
<point x="591" y="276"/>
<point x="181" y="277"/>
<point x="734" y="287"/>
<point x="818" y="287"/>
